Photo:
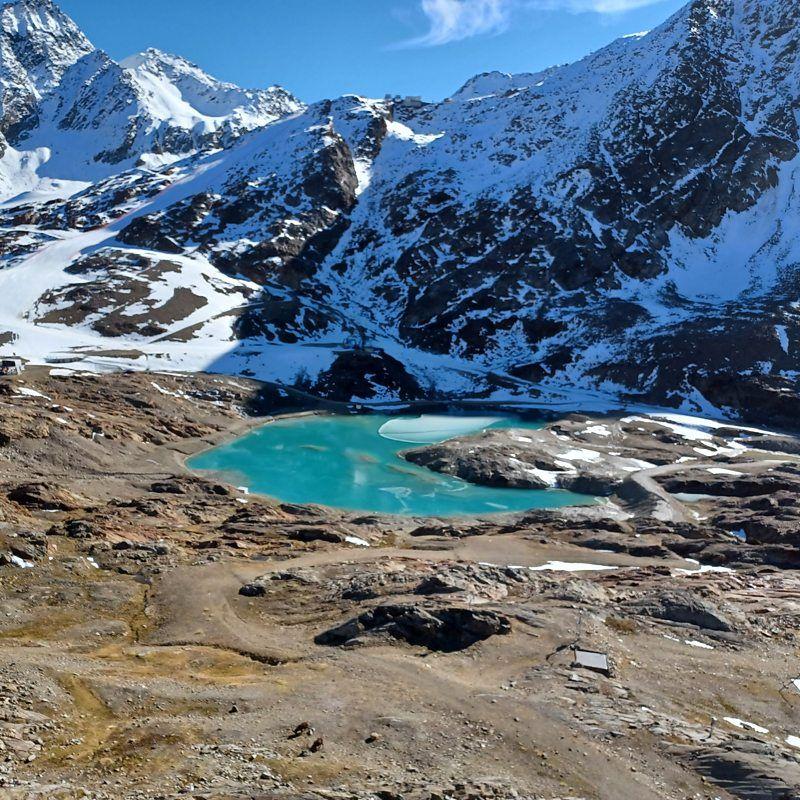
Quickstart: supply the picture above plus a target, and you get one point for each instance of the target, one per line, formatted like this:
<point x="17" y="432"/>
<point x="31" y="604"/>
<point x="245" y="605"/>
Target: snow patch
<point x="743" y="725"/>
<point x="570" y="566"/>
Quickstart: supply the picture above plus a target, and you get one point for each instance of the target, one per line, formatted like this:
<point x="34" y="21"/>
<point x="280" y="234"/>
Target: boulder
<point x="254" y="589"/>
<point x="44" y="496"/>
<point x="314" y="534"/>
<point x="682" y="607"/>
<point x="75" y="529"/>
<point x="441" y="628"/>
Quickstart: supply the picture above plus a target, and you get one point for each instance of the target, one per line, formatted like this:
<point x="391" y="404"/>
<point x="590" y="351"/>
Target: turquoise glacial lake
<point x="354" y="463"/>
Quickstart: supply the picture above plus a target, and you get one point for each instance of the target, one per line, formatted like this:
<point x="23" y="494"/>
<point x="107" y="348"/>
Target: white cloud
<point x="454" y="20"/>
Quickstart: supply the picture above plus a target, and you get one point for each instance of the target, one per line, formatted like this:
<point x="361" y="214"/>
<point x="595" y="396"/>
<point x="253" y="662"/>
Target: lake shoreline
<point x="366" y="472"/>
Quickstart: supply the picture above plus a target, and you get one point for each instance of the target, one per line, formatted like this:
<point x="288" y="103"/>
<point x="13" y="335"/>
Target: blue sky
<point x="325" y="48"/>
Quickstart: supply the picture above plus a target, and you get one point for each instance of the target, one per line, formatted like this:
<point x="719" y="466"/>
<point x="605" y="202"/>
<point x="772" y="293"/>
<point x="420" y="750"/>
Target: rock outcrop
<point x="684" y="608"/>
<point x="447" y="628"/>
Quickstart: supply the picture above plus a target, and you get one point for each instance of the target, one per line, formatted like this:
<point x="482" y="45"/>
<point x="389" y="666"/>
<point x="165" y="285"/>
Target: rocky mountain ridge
<point x="38" y="43"/>
<point x="95" y="117"/>
<point x="614" y="230"/>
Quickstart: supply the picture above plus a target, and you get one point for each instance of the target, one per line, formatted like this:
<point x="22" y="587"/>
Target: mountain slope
<point x="623" y="226"/>
<point x="37" y="44"/>
<point x="102" y="118"/>
<point x="181" y="92"/>
<point x="96" y="117"/>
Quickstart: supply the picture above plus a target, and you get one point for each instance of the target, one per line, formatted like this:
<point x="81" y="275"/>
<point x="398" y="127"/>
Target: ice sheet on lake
<point x="430" y="428"/>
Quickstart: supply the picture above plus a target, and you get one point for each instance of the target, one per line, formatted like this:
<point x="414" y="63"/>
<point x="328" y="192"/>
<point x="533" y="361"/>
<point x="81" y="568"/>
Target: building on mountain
<point x="11" y="365"/>
<point x="410" y="101"/>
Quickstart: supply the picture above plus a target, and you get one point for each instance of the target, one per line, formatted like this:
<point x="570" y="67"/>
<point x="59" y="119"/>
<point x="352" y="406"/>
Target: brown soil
<point x="132" y="667"/>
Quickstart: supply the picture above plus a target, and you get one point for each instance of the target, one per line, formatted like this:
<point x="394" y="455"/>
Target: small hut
<point x="11" y="365"/>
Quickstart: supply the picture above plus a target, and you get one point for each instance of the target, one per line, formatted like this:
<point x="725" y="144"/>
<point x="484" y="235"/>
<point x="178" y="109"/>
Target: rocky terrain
<point x="610" y="230"/>
<point x="182" y="259"/>
<point x="165" y="634"/>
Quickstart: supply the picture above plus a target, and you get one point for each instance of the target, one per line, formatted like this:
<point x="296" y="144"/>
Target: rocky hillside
<point x="617" y="228"/>
<point x="168" y="635"/>
<point x="38" y="43"/>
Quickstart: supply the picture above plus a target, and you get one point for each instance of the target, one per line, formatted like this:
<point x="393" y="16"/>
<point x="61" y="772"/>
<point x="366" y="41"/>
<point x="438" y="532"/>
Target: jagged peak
<point x="32" y="7"/>
<point x="23" y="17"/>
<point x="38" y="42"/>
<point x="159" y="62"/>
<point x="153" y="57"/>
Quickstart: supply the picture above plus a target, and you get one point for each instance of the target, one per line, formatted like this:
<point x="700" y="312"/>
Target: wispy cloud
<point x="454" y="20"/>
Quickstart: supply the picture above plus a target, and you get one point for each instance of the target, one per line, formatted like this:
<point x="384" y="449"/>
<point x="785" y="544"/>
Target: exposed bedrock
<point x="523" y="459"/>
<point x="366" y="375"/>
<point x="447" y="628"/>
<point x="748" y="769"/>
<point x="683" y="607"/>
<point x="589" y="456"/>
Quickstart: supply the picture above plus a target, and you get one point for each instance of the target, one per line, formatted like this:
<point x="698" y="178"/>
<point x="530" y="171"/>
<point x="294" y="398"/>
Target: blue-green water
<point x="344" y="462"/>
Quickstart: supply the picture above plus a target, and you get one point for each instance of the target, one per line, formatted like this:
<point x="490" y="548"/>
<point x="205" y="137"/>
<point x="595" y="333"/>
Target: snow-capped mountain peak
<point x="38" y="43"/>
<point x="624" y="223"/>
<point x="42" y="29"/>
<point x="99" y="117"/>
<point x="495" y="83"/>
<point x="178" y="88"/>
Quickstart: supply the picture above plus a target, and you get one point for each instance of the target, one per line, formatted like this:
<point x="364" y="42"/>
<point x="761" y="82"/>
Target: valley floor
<point x="166" y="635"/>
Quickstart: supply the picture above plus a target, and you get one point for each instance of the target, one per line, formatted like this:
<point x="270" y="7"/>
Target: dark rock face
<point x="288" y="209"/>
<point x="755" y="398"/>
<point x="366" y="375"/>
<point x="37" y="44"/>
<point x="44" y="496"/>
<point x="778" y="444"/>
<point x="446" y="629"/>
<point x="749" y="770"/>
<point x="684" y="608"/>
